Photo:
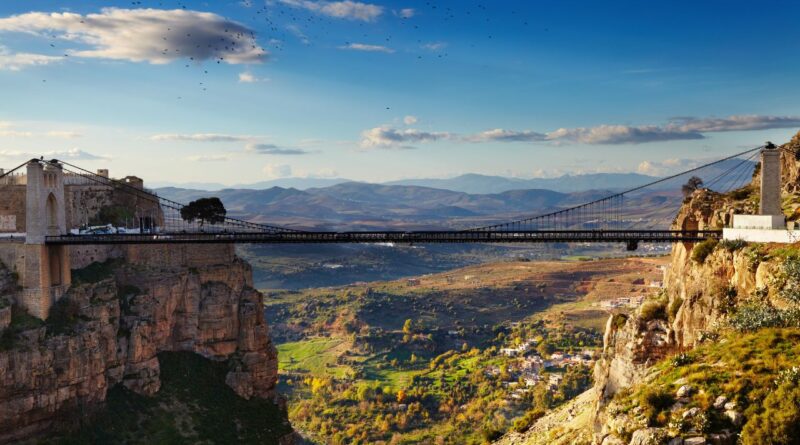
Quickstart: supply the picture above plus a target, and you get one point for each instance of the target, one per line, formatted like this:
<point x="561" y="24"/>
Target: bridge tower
<point x="769" y="226"/>
<point x="770" y="203"/>
<point x="46" y="275"/>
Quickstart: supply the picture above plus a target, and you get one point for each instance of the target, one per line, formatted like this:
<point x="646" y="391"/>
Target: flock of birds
<point x="279" y="21"/>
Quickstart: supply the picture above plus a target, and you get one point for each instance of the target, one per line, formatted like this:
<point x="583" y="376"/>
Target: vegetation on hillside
<point x="753" y="373"/>
<point x="194" y="405"/>
<point x="438" y="359"/>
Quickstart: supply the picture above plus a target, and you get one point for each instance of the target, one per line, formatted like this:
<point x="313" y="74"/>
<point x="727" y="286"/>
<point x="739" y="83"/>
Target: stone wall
<point x="82" y="256"/>
<point x="12" y="208"/>
<point x="84" y="203"/>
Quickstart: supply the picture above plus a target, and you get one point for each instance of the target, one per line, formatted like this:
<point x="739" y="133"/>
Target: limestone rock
<point x="735" y="417"/>
<point x="612" y="440"/>
<point x="209" y="308"/>
<point x="648" y="436"/>
<point x="5" y="318"/>
<point x="723" y="438"/>
<point x="730" y="406"/>
<point x="720" y="402"/>
<point x="684" y="391"/>
<point x="690" y="413"/>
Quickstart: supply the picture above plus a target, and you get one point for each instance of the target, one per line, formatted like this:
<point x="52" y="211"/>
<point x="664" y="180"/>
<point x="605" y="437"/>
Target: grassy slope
<point x="194" y="406"/>
<point x="742" y="367"/>
<point x="316" y="356"/>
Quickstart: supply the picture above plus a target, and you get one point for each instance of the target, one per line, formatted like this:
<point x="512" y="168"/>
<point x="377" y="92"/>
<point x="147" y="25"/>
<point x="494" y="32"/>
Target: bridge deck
<point x="530" y="236"/>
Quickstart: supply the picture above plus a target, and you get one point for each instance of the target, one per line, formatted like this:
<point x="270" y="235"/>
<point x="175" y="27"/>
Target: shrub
<point x="21" y="321"/>
<point x="779" y="420"/>
<point x="682" y="359"/>
<point x="619" y="320"/>
<point x="653" y="401"/>
<point x="113" y="214"/>
<point x="791" y="287"/>
<point x="491" y="434"/>
<point x="732" y="245"/>
<point x="703" y="249"/>
<point x="788" y="376"/>
<point x="63" y="316"/>
<point x="755" y="255"/>
<point x="740" y="193"/>
<point x="674" y="307"/>
<point x="94" y="272"/>
<point x="653" y="310"/>
<point x="752" y="317"/>
<point x="526" y="421"/>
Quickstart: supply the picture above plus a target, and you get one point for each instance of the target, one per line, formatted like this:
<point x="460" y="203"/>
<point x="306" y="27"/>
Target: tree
<point x="545" y="348"/>
<point x="205" y="210"/>
<point x="691" y="185"/>
<point x="408" y="326"/>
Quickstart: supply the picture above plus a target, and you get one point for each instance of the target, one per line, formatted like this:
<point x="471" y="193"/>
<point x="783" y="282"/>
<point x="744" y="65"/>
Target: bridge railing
<point x="374" y="237"/>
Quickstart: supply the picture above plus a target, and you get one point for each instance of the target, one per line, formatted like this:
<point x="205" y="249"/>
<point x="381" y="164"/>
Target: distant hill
<point x="482" y="184"/>
<point x="360" y="205"/>
<point x="477" y="184"/>
<point x="287" y="183"/>
<point x="363" y="206"/>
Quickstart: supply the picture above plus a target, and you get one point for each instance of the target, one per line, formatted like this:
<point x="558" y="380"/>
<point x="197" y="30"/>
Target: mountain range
<point x="474" y="183"/>
<point x="401" y="206"/>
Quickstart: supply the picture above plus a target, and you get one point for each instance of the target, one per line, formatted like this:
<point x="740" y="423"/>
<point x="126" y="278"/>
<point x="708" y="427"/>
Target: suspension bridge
<point x="158" y="220"/>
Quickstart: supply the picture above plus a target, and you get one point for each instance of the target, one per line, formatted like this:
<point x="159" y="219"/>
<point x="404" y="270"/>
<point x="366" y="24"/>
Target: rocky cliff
<point x="714" y="358"/>
<point x="715" y="294"/>
<point x="116" y="319"/>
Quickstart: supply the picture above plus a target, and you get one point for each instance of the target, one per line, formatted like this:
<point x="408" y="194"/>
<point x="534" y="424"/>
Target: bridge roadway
<point x="632" y="237"/>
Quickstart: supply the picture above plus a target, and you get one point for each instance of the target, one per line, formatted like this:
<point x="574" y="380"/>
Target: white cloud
<point x="405" y="13"/>
<point x="64" y="134"/>
<point x="248" y="77"/>
<point x="410" y="120"/>
<point x="621" y="134"/>
<point x="272" y="149"/>
<point x="201" y="137"/>
<point x="387" y="137"/>
<point x="499" y="134"/>
<point x="347" y="9"/>
<point x="661" y="168"/>
<point x="734" y="123"/>
<point x="144" y="35"/>
<point x="15" y="134"/>
<point x="684" y="128"/>
<point x="435" y="46"/>
<point x="297" y="32"/>
<point x="73" y="154"/>
<point x="275" y="171"/>
<point x="19" y="61"/>
<point x="13" y="154"/>
<point x="325" y="173"/>
<point x="367" y="48"/>
<point x="209" y="158"/>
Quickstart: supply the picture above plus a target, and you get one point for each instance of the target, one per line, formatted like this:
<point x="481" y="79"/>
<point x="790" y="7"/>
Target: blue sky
<point x="387" y="90"/>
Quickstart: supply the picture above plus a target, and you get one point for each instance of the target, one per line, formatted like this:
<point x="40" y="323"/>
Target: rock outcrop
<point x="698" y="297"/>
<point x="109" y="332"/>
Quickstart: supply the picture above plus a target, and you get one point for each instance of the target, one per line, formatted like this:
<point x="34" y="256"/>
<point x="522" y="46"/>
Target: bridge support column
<point x="46" y="274"/>
<point x="770" y="203"/>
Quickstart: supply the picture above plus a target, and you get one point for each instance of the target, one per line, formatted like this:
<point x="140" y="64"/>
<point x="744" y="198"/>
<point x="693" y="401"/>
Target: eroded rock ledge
<point x="106" y="332"/>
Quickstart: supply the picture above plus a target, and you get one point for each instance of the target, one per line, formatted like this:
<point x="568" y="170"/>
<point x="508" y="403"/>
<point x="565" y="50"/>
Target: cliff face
<point x="700" y="295"/>
<point x="108" y="332"/>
